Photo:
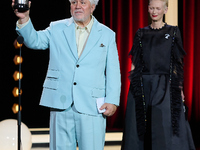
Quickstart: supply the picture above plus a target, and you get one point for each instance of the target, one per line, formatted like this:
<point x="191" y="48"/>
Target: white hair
<point x="91" y="1"/>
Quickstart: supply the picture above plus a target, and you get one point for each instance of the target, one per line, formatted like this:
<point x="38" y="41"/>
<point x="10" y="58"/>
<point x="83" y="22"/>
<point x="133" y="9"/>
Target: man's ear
<point x="93" y="6"/>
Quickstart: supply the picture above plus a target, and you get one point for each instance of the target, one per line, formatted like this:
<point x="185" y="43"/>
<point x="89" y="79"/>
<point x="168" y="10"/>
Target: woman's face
<point x="157" y="9"/>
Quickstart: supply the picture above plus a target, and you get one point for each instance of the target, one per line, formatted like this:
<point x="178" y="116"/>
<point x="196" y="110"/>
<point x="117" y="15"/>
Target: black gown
<point x="155" y="114"/>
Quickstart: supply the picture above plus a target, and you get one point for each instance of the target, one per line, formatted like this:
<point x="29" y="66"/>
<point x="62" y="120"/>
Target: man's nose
<point x="78" y="5"/>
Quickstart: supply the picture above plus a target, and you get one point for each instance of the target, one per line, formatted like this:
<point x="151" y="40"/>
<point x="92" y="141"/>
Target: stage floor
<point x="40" y="139"/>
<point x="105" y="148"/>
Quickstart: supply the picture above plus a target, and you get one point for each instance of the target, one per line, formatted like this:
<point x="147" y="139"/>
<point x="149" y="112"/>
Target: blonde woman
<point x="155" y="115"/>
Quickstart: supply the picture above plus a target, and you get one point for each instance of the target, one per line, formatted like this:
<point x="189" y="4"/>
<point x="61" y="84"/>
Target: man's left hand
<point x="110" y="109"/>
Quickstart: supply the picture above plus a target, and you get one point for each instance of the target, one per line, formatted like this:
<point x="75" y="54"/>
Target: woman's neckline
<point x="165" y="24"/>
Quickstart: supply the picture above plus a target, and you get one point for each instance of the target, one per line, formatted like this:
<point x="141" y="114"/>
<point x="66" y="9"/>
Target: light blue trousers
<point x="69" y="127"/>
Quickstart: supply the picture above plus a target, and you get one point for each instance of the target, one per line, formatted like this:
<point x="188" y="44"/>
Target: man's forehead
<point x="79" y="0"/>
<point x="85" y="1"/>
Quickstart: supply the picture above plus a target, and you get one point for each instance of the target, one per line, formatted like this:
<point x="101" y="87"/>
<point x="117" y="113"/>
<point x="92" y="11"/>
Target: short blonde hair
<point x="165" y="1"/>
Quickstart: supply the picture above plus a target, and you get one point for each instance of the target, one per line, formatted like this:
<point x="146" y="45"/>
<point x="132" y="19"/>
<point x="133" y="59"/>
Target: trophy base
<point x="21" y="7"/>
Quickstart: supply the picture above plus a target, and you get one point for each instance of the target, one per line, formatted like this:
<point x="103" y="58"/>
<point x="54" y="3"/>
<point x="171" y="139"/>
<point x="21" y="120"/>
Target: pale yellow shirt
<point x="22" y="25"/>
<point x="82" y="35"/>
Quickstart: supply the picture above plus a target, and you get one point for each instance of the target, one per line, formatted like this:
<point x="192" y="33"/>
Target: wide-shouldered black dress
<point x="155" y="113"/>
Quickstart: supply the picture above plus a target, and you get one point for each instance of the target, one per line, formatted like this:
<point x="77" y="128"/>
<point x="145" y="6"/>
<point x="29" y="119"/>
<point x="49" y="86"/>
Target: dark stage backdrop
<point x="124" y="17"/>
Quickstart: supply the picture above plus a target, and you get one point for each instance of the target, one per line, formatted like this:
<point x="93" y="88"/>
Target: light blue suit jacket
<point x="71" y="79"/>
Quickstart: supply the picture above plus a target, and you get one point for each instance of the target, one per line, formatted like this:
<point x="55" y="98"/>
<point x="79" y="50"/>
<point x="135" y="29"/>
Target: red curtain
<point x="191" y="43"/>
<point x="125" y="18"/>
<point x="191" y="40"/>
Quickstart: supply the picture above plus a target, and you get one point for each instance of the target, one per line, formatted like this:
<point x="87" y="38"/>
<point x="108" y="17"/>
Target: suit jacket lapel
<point x="94" y="37"/>
<point x="71" y="37"/>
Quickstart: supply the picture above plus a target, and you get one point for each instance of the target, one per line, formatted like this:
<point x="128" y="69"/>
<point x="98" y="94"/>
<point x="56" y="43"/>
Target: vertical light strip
<point x="171" y="17"/>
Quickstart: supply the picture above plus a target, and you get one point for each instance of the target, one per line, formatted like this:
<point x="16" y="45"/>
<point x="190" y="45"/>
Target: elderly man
<point x="83" y="69"/>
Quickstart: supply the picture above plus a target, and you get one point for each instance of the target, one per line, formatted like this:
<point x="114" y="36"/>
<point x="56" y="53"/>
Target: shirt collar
<point x="88" y="27"/>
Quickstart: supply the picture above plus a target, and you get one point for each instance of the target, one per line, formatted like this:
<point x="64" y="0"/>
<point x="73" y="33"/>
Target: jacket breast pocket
<point x="51" y="81"/>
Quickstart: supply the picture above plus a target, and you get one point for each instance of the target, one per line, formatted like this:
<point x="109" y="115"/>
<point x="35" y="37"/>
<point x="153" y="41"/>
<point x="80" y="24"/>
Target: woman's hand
<point x="182" y="95"/>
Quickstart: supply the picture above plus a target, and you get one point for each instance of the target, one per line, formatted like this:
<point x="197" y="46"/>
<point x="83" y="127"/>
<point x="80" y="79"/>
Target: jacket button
<point x="75" y="83"/>
<point x="77" y="66"/>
